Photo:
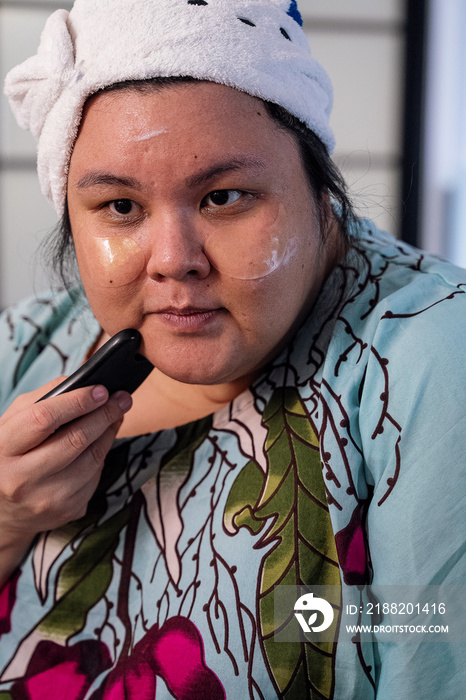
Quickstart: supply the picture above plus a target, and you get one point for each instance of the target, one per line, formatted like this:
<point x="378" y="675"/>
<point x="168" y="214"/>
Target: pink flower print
<point x="175" y="652"/>
<point x="7" y="603"/>
<point x="58" y="672"/>
<point x="131" y="680"/>
<point x="178" y="656"/>
<point x="351" y="548"/>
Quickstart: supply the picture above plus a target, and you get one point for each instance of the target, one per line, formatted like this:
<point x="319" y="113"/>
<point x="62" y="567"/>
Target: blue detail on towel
<point x="295" y="13"/>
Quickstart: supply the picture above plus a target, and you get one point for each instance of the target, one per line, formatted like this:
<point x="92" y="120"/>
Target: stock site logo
<point x="312" y="605"/>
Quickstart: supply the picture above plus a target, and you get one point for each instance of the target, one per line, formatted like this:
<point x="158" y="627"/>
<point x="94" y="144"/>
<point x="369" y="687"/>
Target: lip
<point x="189" y="318"/>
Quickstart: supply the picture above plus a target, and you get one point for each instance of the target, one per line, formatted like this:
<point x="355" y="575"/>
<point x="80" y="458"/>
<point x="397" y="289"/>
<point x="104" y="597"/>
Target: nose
<point x="176" y="248"/>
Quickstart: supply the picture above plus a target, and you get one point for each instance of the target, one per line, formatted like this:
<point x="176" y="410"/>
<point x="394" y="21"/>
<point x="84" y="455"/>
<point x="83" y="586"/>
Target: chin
<point x="193" y="375"/>
<point x="189" y="362"/>
<point x="205" y="371"/>
<point x="183" y="369"/>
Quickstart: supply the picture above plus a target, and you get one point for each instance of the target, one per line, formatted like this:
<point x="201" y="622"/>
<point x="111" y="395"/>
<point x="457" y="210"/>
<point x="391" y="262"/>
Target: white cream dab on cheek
<point x="246" y="260"/>
<point x="273" y="262"/>
<point x="252" y="250"/>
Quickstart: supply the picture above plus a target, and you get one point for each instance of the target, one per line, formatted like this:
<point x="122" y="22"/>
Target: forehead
<point x="201" y="114"/>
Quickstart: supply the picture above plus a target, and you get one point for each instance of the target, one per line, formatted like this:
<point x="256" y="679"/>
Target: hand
<point x="51" y="457"/>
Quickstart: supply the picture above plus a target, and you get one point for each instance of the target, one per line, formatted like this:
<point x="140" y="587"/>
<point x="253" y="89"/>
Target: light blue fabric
<point x="379" y="374"/>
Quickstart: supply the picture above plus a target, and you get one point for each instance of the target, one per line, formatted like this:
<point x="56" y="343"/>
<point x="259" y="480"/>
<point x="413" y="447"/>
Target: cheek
<point x="109" y="262"/>
<point x="109" y="270"/>
<point x="252" y="249"/>
<point x="280" y="299"/>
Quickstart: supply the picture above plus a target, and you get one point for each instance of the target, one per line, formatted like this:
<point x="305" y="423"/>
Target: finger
<point x="34" y="423"/>
<point x="53" y="500"/>
<point x="82" y="434"/>
<point x="74" y="486"/>
<point x="27" y="399"/>
<point x="26" y="481"/>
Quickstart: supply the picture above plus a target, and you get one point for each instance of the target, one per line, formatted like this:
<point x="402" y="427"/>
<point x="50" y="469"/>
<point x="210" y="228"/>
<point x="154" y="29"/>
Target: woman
<point x="292" y="430"/>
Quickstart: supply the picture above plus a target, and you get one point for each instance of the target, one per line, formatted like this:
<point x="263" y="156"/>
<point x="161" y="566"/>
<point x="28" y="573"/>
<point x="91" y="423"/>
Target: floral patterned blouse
<point x="344" y="463"/>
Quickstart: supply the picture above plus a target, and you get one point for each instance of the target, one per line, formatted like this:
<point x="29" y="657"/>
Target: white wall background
<point x="360" y="43"/>
<point x="444" y="174"/>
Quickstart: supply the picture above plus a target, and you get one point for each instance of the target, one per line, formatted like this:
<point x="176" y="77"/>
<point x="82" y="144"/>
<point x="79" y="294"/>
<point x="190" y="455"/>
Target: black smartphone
<point x="117" y="365"/>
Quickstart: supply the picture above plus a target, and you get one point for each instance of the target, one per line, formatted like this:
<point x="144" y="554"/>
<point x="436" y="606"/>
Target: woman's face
<point x="193" y="222"/>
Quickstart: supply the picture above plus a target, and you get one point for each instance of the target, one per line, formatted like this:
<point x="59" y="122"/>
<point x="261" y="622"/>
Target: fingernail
<point x="124" y="400"/>
<point x="99" y="393"/>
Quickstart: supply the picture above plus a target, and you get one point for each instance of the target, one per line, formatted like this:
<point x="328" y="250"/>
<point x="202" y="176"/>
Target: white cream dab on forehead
<point x="150" y="134"/>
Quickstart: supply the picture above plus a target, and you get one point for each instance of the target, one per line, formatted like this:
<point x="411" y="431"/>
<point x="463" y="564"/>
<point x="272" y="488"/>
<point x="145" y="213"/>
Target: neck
<point x="213" y="395"/>
<point x="161" y="403"/>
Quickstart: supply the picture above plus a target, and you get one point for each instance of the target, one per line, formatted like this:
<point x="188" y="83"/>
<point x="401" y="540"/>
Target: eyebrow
<point x="99" y="179"/>
<point x="245" y="162"/>
<point x="96" y="179"/>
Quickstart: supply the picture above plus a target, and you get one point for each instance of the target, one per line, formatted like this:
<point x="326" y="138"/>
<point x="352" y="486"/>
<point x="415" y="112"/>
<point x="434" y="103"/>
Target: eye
<point x="220" y="198"/>
<point x="122" y="207"/>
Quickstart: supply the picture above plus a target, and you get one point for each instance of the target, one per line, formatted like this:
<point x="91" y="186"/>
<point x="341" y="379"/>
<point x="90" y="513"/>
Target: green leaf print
<point x="239" y="511"/>
<point x="305" y="551"/>
<point x="188" y="439"/>
<point x="288" y="506"/>
<point x="162" y="493"/>
<point x="83" y="580"/>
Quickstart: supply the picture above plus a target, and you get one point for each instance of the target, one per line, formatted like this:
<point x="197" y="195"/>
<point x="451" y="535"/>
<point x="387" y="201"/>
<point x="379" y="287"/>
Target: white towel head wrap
<point x="256" y="46"/>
